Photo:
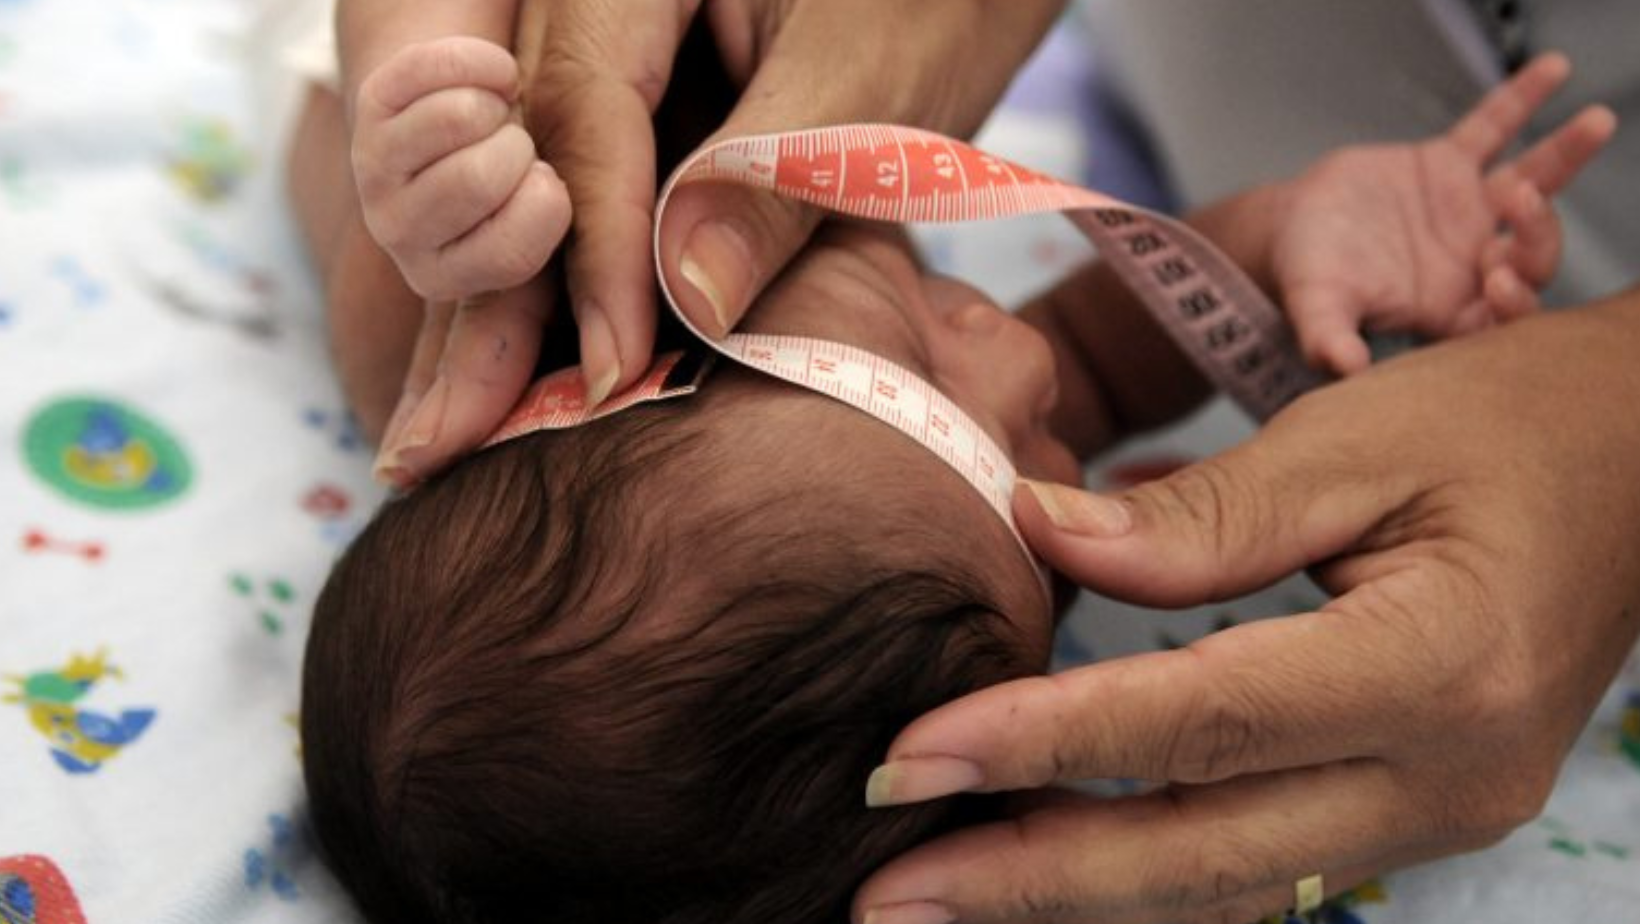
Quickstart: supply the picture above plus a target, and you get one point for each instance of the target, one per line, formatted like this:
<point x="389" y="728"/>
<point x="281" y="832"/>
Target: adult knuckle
<point x="1219" y="868"/>
<point x="1521" y="797"/>
<point x="1209" y="496"/>
<point x="1038" y="891"/>
<point x="1227" y="875"/>
<point x="1222" y="740"/>
<point x="559" y="83"/>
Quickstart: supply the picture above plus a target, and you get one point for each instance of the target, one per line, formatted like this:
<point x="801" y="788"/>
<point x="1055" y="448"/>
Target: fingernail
<point x="420" y="429"/>
<point x="717" y="261"/>
<point x="918" y="779"/>
<point x="396" y="477"/>
<point x="600" y="361"/>
<point x="909" y="913"/>
<point x="1081" y="512"/>
<point x="395" y="423"/>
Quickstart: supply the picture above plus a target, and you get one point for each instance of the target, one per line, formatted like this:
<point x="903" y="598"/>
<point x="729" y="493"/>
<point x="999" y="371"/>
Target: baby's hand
<point x="1431" y="238"/>
<point x="449" y="181"/>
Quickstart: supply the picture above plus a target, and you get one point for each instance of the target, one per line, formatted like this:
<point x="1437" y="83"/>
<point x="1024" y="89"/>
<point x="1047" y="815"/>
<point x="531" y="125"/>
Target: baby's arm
<point x="1438" y="238"/>
<point x="1421" y="237"/>
<point x="448" y="179"/>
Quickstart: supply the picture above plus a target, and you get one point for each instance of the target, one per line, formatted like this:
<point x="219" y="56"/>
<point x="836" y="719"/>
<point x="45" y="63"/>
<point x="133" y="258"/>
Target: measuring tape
<point x="1218" y="316"/>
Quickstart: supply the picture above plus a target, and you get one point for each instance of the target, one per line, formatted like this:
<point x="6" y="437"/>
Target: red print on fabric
<point x="34" y="891"/>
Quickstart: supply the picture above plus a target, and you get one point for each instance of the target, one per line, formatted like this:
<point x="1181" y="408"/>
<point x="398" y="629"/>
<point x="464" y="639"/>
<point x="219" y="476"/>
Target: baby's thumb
<point x="722" y="244"/>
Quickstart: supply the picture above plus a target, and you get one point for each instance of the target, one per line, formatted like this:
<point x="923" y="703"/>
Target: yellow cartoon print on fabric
<point x="209" y="162"/>
<point x="105" y="454"/>
<point x="1339" y="909"/>
<point x="81" y="740"/>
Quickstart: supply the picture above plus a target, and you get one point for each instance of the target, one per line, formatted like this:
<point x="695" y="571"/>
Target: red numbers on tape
<point x="1210" y="308"/>
<point x="889" y="173"/>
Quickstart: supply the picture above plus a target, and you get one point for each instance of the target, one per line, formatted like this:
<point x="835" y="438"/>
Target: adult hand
<point x="1440" y="237"/>
<point x="1474" y="506"/>
<point x="808" y="63"/>
<point x="594" y="72"/>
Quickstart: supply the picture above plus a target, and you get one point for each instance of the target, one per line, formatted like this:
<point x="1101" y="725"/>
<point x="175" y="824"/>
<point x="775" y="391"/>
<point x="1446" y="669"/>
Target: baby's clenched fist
<point x="449" y="181"/>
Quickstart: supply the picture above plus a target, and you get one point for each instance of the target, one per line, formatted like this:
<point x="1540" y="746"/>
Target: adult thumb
<point x="722" y="244"/>
<point x="1225" y="526"/>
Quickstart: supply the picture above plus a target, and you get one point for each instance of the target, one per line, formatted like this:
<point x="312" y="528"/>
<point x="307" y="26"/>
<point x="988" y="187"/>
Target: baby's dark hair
<point x="634" y="673"/>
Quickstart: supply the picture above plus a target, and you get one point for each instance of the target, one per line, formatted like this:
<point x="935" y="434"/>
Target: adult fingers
<point x="1231" y="851"/>
<point x="830" y="62"/>
<point x="484" y="364"/>
<point x="1486" y="129"/>
<point x="722" y="244"/>
<point x="1556" y="159"/>
<point x="1267" y="695"/>
<point x="601" y="71"/>
<point x="424" y="357"/>
<point x="1224" y="526"/>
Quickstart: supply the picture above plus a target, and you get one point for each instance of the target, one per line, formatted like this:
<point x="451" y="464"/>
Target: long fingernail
<point x="600" y="360"/>
<point x="1081" y="512"/>
<point x="717" y="261"/>
<point x="918" y="779"/>
<point x="395" y="423"/>
<point x="420" y="430"/>
<point x="909" y="913"/>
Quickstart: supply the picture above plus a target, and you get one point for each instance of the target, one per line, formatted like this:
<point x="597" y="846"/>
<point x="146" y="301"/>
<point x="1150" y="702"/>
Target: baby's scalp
<point x="641" y="670"/>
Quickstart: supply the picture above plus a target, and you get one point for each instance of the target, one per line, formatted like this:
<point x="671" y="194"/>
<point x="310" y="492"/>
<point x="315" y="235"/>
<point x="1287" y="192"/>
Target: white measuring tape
<point x="1205" y="302"/>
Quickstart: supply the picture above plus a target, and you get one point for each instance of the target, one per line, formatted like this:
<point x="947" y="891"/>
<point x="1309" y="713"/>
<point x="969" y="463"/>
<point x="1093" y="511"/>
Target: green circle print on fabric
<point x="105" y="454"/>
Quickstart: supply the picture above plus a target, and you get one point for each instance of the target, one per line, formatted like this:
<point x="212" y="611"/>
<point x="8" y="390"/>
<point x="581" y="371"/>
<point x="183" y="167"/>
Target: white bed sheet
<point x="177" y="472"/>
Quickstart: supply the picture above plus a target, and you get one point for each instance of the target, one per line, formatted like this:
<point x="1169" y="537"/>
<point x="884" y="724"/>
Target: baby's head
<point x="639" y="671"/>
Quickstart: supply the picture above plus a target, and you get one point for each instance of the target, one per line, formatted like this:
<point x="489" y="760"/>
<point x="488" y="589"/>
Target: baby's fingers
<point x="429" y="129"/>
<point x="426" y="67"/>
<point x="1493" y="123"/>
<point x="1328" y="322"/>
<point x="1557" y="159"/>
<point x="1508" y="297"/>
<point x="511" y="246"/>
<point x="447" y="201"/>
<point x="1532" y="246"/>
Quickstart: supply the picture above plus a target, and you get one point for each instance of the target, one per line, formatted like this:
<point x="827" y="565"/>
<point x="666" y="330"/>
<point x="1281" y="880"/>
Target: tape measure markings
<point x="1204" y="302"/>
<point x="889" y="173"/>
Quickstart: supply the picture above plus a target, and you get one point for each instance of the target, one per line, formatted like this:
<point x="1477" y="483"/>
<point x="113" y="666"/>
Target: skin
<point x="872" y="294"/>
<point x="1112" y="374"/>
<point x="589" y="75"/>
<point x="1471" y="508"/>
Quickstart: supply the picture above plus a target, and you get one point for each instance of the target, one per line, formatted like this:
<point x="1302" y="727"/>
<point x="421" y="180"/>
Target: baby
<point x="640" y="670"/>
